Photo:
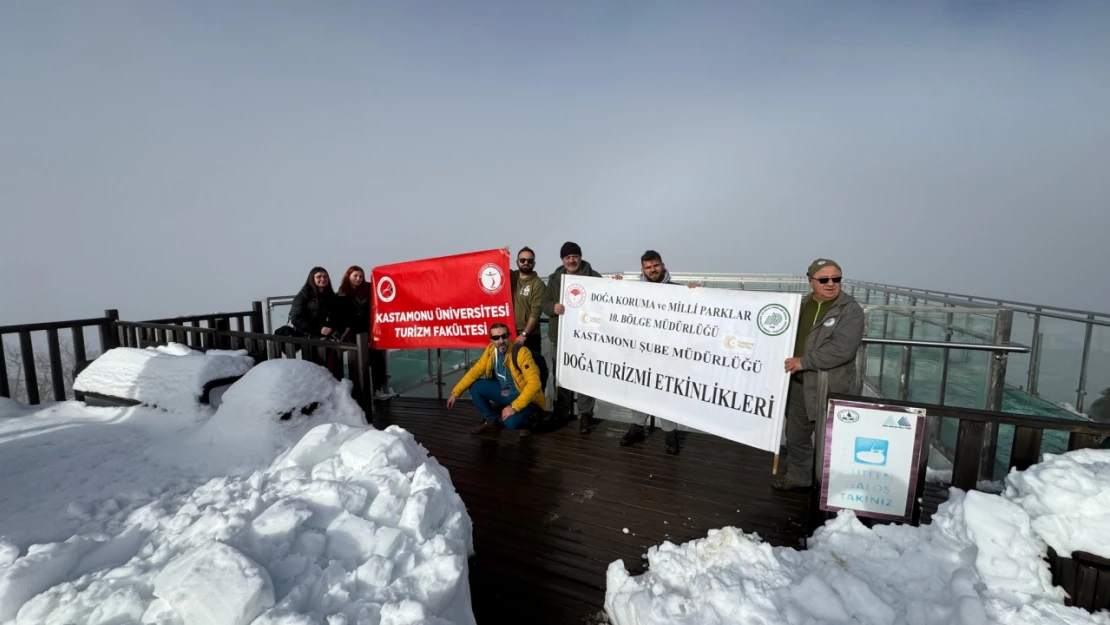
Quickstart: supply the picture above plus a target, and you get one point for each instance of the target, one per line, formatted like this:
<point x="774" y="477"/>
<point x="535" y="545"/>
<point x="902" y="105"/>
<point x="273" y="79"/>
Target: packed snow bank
<point x="338" y="523"/>
<point x="978" y="562"/>
<point x="1068" y="498"/>
<point x="170" y="377"/>
<point x="350" y="523"/>
<point x="268" y="410"/>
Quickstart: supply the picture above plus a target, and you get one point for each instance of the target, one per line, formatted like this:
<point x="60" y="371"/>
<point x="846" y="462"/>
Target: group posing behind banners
<point x="507" y="383"/>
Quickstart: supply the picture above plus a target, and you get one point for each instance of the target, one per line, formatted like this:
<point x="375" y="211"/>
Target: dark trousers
<point x="490" y="402"/>
<point x="799" y="436"/>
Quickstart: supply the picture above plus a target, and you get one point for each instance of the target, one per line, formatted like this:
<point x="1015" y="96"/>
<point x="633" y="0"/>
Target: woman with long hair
<point x="356" y="303"/>
<point x="313" y="313"/>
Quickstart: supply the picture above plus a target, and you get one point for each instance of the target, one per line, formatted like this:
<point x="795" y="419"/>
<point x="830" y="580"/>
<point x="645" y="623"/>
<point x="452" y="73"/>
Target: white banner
<point x="872" y="460"/>
<point x="711" y="359"/>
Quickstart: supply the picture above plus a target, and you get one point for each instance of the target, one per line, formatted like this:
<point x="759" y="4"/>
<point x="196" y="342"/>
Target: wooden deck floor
<point x="552" y="511"/>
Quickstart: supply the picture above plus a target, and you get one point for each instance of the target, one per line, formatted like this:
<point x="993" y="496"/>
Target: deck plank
<point x="550" y="511"/>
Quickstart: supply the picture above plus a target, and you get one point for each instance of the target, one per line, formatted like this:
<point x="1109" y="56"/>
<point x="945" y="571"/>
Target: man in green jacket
<point x="573" y="265"/>
<point x="528" y="291"/>
<point x="830" y="332"/>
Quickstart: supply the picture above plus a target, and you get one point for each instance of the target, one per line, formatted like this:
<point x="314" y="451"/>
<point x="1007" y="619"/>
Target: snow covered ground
<point x="980" y="561"/>
<point x="282" y="507"/>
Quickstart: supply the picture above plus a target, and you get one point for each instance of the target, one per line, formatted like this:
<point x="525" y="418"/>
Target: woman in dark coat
<point x="356" y="302"/>
<point x="314" y="311"/>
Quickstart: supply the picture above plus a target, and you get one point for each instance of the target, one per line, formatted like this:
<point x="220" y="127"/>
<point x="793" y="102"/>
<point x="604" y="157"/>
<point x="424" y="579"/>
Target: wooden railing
<point x="200" y="332"/>
<point x="56" y="369"/>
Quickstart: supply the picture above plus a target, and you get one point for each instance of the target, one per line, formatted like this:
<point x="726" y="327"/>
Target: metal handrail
<point x="1034" y="308"/>
<point x="975" y="347"/>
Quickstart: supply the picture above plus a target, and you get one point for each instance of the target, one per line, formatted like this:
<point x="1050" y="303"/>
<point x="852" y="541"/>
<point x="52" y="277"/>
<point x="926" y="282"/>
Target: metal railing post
<point x="439" y="374"/>
<point x="944" y="358"/>
<point x="882" y="350"/>
<point x="996" y="390"/>
<point x="1081" y="393"/>
<point x="1031" y="379"/>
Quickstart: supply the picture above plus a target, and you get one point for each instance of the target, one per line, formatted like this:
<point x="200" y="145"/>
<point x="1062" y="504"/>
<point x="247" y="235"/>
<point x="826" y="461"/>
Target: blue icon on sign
<point x="871" y="451"/>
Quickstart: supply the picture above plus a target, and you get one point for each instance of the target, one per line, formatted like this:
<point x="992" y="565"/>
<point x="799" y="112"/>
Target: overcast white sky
<point x="173" y="158"/>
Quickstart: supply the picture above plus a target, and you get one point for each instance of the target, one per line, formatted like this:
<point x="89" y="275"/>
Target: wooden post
<point x="108" y="337"/>
<point x="5" y="390"/>
<point x="57" y="382"/>
<point x="223" y="341"/>
<point x="30" y="380"/>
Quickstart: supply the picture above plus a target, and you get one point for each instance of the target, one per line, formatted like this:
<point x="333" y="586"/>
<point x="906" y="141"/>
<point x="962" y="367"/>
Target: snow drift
<point x="170" y="377"/>
<point x="337" y="523"/>
<point x="980" y="561"/>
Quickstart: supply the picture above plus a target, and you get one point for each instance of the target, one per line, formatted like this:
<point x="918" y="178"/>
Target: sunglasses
<point x="498" y="337"/>
<point x="835" y="280"/>
<point x="526" y="261"/>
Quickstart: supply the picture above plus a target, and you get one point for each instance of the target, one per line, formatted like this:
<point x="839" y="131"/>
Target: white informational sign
<point x="711" y="359"/>
<point x="872" y="461"/>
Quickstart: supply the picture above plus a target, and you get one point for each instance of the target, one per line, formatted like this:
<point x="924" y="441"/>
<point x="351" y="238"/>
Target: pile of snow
<point x="268" y="410"/>
<point x="1068" y="498"/>
<point x="980" y="561"/>
<point x="344" y="525"/>
<point x="170" y="377"/>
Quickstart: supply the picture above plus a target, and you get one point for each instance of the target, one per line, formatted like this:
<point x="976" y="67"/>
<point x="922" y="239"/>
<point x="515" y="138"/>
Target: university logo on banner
<point x="448" y="302"/>
<point x="711" y="359"/>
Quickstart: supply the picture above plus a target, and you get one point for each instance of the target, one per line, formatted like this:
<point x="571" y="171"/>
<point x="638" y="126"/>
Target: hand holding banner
<point x="447" y="302"/>
<point x="711" y="359"/>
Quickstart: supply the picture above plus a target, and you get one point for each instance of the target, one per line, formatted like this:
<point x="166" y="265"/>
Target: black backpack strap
<point x="513" y="351"/>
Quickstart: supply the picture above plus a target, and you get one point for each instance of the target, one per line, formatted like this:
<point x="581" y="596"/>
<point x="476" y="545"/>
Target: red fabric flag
<point x="447" y="302"/>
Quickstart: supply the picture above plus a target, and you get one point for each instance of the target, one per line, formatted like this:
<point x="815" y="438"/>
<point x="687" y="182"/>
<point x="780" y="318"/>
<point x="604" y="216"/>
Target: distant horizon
<point x="169" y="158"/>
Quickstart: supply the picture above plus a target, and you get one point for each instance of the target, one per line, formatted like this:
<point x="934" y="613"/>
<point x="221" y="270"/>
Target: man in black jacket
<point x="573" y="265"/>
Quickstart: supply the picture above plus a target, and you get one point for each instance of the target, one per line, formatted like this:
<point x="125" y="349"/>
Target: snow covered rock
<point x="169" y="377"/>
<point x="979" y="562"/>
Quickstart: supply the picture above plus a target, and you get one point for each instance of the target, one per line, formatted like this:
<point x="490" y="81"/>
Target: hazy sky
<point x="173" y="158"/>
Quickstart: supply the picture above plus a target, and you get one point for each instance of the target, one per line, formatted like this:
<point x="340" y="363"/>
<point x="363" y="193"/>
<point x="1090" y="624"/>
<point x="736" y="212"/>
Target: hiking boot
<point x="786" y="483"/>
<point x="635" y="434"/>
<point x="487" y="425"/>
<point x="670" y="442"/>
<point x="584" y="423"/>
<point x="526" y="432"/>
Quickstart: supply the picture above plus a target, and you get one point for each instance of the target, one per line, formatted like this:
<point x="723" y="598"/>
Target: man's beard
<point x="525" y="271"/>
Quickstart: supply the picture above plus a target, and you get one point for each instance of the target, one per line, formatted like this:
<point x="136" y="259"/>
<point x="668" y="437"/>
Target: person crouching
<point x="504" y="384"/>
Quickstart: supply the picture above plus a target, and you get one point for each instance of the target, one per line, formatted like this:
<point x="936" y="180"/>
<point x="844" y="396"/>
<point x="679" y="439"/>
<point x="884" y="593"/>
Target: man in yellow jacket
<point x="503" y="382"/>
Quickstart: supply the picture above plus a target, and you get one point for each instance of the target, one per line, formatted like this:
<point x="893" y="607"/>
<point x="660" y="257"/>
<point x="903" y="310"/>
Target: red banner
<point x="447" y="302"/>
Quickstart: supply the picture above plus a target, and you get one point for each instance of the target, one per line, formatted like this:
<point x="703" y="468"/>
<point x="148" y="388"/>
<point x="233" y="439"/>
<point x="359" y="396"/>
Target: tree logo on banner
<point x="773" y="319"/>
<point x="491" y="278"/>
<point x="575" y="295"/>
<point x="386" y="289"/>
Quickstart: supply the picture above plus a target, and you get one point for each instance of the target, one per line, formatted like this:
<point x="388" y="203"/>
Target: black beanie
<point x="569" y="248"/>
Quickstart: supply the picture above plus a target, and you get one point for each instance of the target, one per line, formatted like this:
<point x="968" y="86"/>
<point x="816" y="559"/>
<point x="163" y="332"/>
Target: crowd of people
<point x="507" y="383"/>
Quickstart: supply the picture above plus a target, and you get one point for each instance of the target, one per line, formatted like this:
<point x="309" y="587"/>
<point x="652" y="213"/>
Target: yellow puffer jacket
<point x="526" y="378"/>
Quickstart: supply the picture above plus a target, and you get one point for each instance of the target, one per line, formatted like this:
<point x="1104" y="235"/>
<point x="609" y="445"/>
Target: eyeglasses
<point x="836" y="280"/>
<point x="526" y="261"/>
<point x="498" y="337"/>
